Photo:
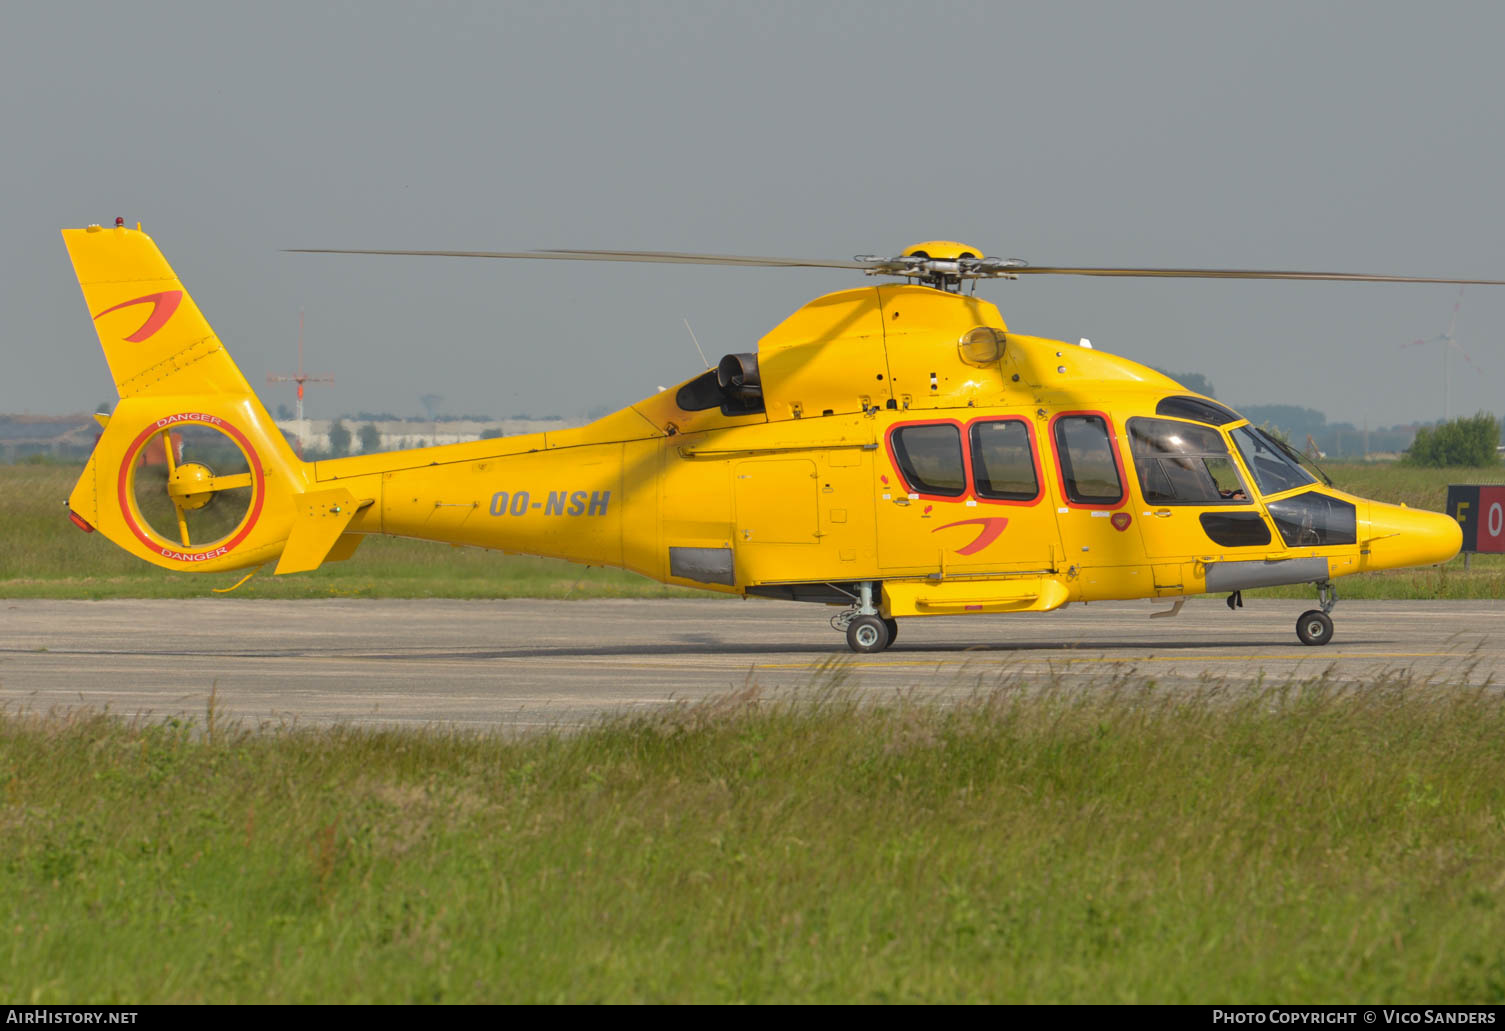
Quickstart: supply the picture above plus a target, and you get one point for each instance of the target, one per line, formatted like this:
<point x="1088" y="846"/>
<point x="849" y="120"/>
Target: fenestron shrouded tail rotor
<point x="191" y="484"/>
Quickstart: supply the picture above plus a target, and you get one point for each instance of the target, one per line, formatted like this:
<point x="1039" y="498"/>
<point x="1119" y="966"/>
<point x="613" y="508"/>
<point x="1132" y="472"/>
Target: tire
<point x="867" y="634"/>
<point x="1314" y="627"/>
<point x="893" y="630"/>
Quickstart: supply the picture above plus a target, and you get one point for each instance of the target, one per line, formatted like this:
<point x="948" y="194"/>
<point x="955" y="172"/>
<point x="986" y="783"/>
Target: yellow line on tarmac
<point x="900" y="663"/>
<point x="847" y="665"/>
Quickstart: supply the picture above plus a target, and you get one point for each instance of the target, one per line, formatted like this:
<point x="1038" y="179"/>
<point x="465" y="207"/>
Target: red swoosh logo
<point x="991" y="528"/>
<point x="163" y="305"/>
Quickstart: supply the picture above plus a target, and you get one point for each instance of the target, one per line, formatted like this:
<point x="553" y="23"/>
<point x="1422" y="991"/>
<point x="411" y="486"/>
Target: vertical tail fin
<point x="154" y="337"/>
<point x="190" y="471"/>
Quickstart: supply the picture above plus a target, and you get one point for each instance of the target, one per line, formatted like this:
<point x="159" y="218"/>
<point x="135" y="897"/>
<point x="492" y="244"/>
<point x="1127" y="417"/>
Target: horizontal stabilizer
<point x="318" y="526"/>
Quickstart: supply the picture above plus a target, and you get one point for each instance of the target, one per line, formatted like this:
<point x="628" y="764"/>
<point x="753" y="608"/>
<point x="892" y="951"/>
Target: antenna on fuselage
<point x="697" y="342"/>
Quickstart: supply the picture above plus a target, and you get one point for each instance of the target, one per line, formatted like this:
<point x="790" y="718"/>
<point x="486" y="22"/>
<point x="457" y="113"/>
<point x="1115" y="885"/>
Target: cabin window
<point x="930" y="457"/>
<point x="1003" y="463"/>
<point x="1180" y="463"/>
<point x="1272" y="470"/>
<point x="1314" y="520"/>
<point x="1088" y="470"/>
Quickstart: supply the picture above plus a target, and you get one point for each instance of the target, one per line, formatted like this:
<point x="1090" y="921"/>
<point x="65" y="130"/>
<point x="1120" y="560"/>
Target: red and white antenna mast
<point x="300" y="379"/>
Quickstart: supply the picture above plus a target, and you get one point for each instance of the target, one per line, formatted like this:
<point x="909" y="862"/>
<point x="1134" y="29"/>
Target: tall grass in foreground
<point x="1302" y="844"/>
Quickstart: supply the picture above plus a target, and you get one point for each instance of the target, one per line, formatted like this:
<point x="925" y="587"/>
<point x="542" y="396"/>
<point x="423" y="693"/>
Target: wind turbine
<point x="1449" y="345"/>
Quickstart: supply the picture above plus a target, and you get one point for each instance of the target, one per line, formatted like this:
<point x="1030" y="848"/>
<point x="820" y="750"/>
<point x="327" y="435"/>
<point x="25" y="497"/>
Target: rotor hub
<point x="190" y="486"/>
<point x="942" y="264"/>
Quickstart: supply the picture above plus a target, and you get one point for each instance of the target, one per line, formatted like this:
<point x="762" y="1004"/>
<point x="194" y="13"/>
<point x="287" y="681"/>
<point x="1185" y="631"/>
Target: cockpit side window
<point x="1273" y="472"/>
<point x="1180" y="463"/>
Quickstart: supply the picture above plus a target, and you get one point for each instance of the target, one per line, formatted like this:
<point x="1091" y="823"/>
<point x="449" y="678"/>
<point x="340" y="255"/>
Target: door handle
<point x="1162" y="513"/>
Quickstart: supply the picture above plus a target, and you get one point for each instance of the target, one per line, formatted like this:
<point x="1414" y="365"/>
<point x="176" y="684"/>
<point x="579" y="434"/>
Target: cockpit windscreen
<point x="1273" y="471"/>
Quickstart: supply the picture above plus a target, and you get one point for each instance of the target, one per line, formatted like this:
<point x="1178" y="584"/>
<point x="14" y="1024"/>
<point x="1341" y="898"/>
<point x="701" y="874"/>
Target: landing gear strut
<point x="867" y="631"/>
<point x="1315" y="625"/>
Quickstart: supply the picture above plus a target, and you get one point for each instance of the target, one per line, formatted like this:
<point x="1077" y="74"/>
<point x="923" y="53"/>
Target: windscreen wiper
<point x="1294" y="455"/>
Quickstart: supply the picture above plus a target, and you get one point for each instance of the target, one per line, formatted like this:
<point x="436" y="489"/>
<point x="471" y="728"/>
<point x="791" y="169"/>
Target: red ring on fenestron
<point x="258" y="486"/>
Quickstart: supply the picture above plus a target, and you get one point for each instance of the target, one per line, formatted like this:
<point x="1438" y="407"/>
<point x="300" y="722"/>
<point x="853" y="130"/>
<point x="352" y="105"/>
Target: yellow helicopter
<point x="892" y="449"/>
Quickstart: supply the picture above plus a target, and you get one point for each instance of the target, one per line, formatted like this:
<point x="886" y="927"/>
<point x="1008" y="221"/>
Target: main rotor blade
<point x="898" y="266"/>
<point x="1227" y="273"/>
<point x="657" y="257"/>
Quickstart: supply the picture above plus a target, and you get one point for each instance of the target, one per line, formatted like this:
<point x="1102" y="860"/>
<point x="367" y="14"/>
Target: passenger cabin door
<point x="963" y="498"/>
<point x="1092" y="506"/>
<point x="1195" y="503"/>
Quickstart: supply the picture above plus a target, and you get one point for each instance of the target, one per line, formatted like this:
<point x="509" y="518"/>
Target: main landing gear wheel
<point x="868" y="634"/>
<point x="893" y="629"/>
<point x="1314" y="627"/>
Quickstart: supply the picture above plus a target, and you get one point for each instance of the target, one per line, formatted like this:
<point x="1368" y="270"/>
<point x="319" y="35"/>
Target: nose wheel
<point x="1315" y="626"/>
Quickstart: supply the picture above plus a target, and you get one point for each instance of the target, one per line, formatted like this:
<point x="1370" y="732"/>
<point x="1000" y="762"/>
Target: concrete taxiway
<point x="523" y="663"/>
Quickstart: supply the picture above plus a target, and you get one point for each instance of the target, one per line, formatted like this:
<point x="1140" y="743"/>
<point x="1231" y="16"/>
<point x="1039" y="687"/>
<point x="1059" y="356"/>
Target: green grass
<point x="42" y="555"/>
<point x="1124" y="844"/>
<point x="1399" y="484"/>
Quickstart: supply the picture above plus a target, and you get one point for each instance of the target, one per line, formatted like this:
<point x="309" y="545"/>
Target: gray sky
<point x="1329" y="136"/>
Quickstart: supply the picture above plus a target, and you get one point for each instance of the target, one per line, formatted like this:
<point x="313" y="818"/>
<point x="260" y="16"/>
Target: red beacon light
<point x="80" y="522"/>
<point x="119" y="222"/>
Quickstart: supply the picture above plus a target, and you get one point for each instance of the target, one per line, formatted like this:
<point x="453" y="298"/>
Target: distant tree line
<point x="339" y="439"/>
<point x="285" y="413"/>
<point x="1427" y="445"/>
<point x="389" y="417"/>
<point x="1470" y="441"/>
